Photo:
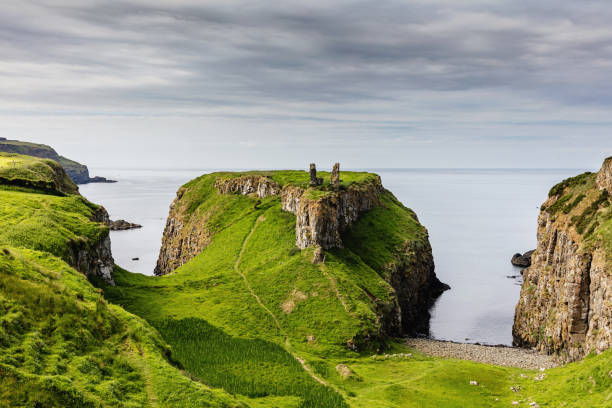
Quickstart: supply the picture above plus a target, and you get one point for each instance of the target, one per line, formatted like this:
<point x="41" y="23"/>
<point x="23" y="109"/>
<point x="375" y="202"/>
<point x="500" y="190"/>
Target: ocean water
<point x="477" y="219"/>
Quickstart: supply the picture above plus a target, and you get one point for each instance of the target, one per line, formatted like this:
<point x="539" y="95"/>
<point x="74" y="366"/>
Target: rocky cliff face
<point x="319" y="221"/>
<point x="417" y="287"/>
<point x="94" y="259"/>
<point x="565" y="305"/>
<point x="184" y="237"/>
<point x="604" y="177"/>
<point x="260" y="186"/>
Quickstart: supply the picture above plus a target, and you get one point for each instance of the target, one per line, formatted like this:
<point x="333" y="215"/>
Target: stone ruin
<point x="314" y="180"/>
<point x="335" y="176"/>
<point x="318" y="181"/>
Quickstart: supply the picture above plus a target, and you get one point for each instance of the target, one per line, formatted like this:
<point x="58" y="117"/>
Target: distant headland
<point x="78" y="173"/>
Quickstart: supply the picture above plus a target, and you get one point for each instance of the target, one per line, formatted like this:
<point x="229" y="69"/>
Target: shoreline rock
<point x="490" y="354"/>
<point x="523" y="260"/>
<point x="122" y="225"/>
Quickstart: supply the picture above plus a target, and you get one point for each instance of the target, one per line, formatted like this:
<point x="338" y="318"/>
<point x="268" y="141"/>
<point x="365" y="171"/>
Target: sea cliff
<point x="565" y="306"/>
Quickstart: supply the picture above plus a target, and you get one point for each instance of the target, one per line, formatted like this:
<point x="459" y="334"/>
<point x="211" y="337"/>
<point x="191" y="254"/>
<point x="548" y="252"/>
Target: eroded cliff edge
<point x="565" y="306"/>
<point x="356" y="216"/>
<point x="49" y="214"/>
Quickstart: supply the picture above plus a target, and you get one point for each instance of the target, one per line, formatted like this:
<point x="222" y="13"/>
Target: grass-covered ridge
<point x="30" y="172"/>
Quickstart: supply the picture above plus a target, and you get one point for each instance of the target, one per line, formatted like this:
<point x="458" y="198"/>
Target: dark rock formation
<point x="121" y="225"/>
<point x="522" y="260"/>
<point x="417" y="287"/>
<point x="94" y="259"/>
<point x="98" y="179"/>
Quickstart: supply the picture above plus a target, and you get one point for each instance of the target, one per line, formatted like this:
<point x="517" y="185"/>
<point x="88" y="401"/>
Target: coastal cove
<point x="476" y="220"/>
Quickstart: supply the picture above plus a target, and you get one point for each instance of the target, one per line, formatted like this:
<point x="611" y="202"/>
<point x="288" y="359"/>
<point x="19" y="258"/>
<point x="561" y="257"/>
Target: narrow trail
<point x="140" y="361"/>
<point x="497" y="355"/>
<point x="302" y="362"/>
<point x="334" y="286"/>
<point x="260" y="219"/>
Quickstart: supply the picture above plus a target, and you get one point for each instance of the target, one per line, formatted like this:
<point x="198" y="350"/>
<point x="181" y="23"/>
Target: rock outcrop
<point x="321" y="219"/>
<point x="259" y="185"/>
<point x="95" y="259"/>
<point x="523" y="260"/>
<point x="121" y="225"/>
<point x="565" y="305"/>
<point x="184" y="237"/>
<point x="604" y="176"/>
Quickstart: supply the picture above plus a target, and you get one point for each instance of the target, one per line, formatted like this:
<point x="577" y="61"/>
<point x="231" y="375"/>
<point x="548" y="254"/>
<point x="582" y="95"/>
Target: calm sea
<point x="476" y="220"/>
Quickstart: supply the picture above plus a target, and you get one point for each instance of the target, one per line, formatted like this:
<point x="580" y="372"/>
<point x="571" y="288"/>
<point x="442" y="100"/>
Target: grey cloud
<point x="289" y="57"/>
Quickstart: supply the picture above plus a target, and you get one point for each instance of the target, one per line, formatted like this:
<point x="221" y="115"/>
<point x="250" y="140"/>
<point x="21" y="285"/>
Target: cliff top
<point x="301" y="178"/>
<point x="76" y="171"/>
<point x="581" y="205"/>
<point x="31" y="172"/>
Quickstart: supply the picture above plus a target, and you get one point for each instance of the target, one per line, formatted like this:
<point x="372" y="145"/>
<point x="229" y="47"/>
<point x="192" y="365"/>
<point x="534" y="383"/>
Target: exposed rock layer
<point x="417" y="287"/>
<point x="565" y="305"/>
<point x="184" y="237"/>
<point x="604" y="177"/>
<point x="319" y="221"/>
<point x="258" y="185"/>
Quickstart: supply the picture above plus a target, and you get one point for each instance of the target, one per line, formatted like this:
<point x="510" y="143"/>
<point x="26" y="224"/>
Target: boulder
<point x="523" y="260"/>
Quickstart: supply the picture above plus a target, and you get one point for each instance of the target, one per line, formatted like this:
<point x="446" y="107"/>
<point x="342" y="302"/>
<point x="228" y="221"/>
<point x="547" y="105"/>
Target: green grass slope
<point x="63" y="345"/>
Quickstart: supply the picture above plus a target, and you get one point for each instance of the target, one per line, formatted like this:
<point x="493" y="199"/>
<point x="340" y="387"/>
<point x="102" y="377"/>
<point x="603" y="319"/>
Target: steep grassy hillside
<point x="62" y="345"/>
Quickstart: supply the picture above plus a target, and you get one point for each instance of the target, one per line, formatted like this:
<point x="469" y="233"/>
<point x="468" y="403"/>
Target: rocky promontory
<point x="334" y="215"/>
<point x="565" y="306"/>
<point x="78" y="173"/>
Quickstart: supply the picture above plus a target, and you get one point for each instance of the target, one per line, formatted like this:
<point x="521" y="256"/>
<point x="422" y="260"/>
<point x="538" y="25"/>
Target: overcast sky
<point x="277" y="84"/>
